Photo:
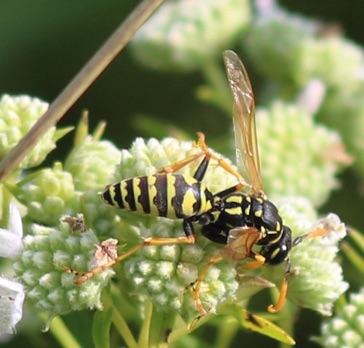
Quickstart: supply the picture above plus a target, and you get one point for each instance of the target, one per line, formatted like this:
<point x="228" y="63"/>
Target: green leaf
<point x="258" y="324"/>
<point x="102" y="322"/>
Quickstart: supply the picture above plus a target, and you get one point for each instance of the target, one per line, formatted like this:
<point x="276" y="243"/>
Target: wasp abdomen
<point x="168" y="195"/>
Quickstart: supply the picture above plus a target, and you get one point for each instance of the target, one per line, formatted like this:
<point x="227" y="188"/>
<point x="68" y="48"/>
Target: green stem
<point x="123" y="329"/>
<point x="145" y="331"/>
<point x="227" y="329"/>
<point x="218" y="84"/>
<point x="102" y="321"/>
<point x="79" y="84"/>
<point x="161" y="326"/>
<point x="286" y="321"/>
<point x="60" y="331"/>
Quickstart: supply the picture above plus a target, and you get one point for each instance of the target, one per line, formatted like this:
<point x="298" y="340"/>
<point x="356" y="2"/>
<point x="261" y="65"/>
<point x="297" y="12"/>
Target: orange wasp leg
<point x="208" y="155"/>
<point x="197" y="284"/>
<point x="147" y="242"/>
<point x="318" y="232"/>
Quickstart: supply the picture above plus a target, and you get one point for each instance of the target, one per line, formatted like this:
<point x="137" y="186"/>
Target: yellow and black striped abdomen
<point x="169" y="195"/>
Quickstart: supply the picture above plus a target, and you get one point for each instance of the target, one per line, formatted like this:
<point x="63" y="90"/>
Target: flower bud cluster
<point x="41" y="268"/>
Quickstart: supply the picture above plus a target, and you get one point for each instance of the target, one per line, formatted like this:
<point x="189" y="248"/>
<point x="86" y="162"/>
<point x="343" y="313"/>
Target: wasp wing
<point x="240" y="243"/>
<point x="244" y="121"/>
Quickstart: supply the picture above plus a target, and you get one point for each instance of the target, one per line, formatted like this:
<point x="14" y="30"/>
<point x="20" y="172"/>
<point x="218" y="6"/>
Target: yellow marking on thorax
<point x="238" y="199"/>
<point x="234" y="211"/>
<point x="279" y="235"/>
<point x="258" y="213"/>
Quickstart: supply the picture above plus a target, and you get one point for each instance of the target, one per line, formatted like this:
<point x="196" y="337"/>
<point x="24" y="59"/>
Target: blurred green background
<point x="44" y="44"/>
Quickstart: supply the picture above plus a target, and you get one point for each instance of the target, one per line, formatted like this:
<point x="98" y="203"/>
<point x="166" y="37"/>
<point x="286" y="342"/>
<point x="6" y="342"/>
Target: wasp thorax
<point x="264" y="215"/>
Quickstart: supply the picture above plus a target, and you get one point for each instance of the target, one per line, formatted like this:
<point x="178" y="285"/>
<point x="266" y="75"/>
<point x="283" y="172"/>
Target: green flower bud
<point x="185" y="35"/>
<point x="346" y="113"/>
<point x="338" y="62"/>
<point x="276" y="37"/>
<point x="345" y="329"/>
<point x="316" y="279"/>
<point x="298" y="157"/>
<point x="17" y="116"/>
<point x="104" y="221"/>
<point x="41" y="269"/>
<point x="165" y="273"/>
<point x="48" y="194"/>
<point x="91" y="163"/>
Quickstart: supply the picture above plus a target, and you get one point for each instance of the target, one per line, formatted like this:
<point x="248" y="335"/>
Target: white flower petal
<point x="10" y="244"/>
<point x="15" y="223"/>
<point x="11" y="305"/>
<point x="11" y="239"/>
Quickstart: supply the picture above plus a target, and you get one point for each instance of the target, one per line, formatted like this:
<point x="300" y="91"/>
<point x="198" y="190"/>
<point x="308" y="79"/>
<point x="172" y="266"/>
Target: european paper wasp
<point x="237" y="219"/>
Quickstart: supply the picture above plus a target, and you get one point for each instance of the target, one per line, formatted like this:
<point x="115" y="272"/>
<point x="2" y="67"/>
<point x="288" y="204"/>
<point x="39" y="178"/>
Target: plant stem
<point x="60" y="331"/>
<point x="145" y="331"/>
<point x="79" y="84"/>
<point x="161" y="326"/>
<point x="226" y="332"/>
<point x="123" y="329"/>
<point x="218" y="83"/>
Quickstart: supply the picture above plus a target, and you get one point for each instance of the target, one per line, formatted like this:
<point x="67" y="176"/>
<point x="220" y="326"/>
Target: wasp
<point x="232" y="217"/>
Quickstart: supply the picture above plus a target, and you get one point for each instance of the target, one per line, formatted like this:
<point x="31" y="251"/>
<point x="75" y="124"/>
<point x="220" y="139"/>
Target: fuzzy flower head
<point x="48" y="194"/>
<point x="17" y="116"/>
<point x="91" y="162"/>
<point x="299" y="49"/>
<point x="41" y="268"/>
<point x="336" y="61"/>
<point x="165" y="273"/>
<point x="185" y="34"/>
<point x="345" y="329"/>
<point x="316" y="278"/>
<point x="298" y="157"/>
<point x="276" y="37"/>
